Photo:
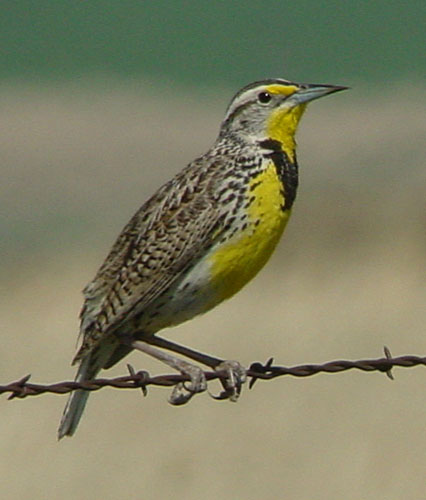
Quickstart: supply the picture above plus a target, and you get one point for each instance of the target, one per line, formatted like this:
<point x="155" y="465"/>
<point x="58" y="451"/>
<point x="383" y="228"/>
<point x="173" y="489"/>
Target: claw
<point x="180" y="395"/>
<point x="232" y="384"/>
<point x="183" y="392"/>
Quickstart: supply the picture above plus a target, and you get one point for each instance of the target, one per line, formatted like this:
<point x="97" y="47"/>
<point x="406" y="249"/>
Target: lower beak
<point x="310" y="92"/>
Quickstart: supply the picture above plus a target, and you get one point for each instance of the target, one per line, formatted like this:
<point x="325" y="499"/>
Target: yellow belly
<point x="237" y="261"/>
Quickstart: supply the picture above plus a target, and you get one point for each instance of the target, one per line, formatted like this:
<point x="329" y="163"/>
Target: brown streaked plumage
<point x="196" y="242"/>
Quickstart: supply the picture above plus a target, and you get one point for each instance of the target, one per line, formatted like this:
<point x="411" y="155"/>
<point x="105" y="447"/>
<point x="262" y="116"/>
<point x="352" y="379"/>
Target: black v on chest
<point x="286" y="169"/>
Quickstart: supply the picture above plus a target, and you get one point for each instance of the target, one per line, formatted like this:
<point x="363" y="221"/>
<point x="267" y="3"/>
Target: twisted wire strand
<point x="141" y="380"/>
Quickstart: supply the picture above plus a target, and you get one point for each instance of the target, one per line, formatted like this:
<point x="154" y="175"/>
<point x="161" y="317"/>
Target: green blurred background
<point x="100" y="103"/>
<point x="208" y="43"/>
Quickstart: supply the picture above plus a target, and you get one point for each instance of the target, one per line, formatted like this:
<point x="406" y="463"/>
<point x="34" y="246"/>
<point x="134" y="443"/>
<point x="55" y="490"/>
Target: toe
<point x="232" y="384"/>
<point x="183" y="391"/>
<point x="198" y="381"/>
<point x="180" y="395"/>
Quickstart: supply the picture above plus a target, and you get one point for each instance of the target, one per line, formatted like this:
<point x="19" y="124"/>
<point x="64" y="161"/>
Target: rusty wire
<point x="141" y="379"/>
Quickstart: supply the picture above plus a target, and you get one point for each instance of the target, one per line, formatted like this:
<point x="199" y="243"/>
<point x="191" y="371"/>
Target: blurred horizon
<point x="65" y="167"/>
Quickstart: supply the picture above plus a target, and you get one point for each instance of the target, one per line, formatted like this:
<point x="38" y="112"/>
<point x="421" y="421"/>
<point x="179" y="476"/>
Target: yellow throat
<point x="283" y="123"/>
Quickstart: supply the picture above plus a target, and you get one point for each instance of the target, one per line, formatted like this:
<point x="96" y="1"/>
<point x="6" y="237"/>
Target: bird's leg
<point x="236" y="372"/>
<point x="181" y="393"/>
<point x="200" y="357"/>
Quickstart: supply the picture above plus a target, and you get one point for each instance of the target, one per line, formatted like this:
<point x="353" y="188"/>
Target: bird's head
<point x="271" y="109"/>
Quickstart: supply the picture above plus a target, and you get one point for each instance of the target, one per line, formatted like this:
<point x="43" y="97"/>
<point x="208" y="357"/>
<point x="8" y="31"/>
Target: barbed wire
<point x="141" y="380"/>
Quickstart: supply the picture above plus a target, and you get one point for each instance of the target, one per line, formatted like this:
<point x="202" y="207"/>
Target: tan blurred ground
<point x="348" y="278"/>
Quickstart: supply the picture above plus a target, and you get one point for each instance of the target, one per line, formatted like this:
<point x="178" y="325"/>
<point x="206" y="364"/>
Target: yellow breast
<point x="238" y="260"/>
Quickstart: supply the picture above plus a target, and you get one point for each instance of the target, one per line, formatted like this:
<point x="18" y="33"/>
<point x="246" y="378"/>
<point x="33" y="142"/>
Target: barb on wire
<point x="141" y="379"/>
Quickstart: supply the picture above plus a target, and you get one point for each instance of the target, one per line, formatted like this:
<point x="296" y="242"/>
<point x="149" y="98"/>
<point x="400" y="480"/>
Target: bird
<point x="196" y="242"/>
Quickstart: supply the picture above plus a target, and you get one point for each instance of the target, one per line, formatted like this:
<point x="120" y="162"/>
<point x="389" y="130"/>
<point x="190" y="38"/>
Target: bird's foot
<point x="232" y="384"/>
<point x="183" y="391"/>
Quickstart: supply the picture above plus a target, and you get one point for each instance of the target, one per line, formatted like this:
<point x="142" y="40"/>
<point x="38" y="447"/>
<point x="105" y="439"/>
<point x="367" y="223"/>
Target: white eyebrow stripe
<point x="248" y="93"/>
<point x="243" y="99"/>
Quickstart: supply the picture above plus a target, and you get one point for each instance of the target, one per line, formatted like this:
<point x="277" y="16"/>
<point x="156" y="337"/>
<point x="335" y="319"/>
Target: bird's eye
<point x="264" y="97"/>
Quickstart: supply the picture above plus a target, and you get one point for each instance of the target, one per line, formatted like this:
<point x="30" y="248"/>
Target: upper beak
<point x="309" y="92"/>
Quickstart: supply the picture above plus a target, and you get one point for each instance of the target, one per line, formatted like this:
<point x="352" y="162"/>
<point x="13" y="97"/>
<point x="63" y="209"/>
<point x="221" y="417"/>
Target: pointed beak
<point x="309" y="92"/>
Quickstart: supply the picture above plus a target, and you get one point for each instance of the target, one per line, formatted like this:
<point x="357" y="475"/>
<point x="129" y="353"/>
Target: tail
<point x="78" y="399"/>
<point x="105" y="355"/>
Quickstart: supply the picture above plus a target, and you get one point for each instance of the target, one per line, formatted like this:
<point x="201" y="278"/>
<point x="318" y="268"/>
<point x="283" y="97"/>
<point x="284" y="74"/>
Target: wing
<point x="160" y="241"/>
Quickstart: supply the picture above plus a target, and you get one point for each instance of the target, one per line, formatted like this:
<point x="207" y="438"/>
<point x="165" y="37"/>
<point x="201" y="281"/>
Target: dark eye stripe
<point x="237" y="110"/>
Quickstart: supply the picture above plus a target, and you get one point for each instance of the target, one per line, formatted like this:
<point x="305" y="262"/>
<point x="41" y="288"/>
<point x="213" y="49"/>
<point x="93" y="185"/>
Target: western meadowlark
<point x="197" y="241"/>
